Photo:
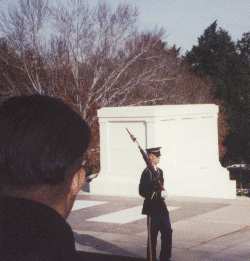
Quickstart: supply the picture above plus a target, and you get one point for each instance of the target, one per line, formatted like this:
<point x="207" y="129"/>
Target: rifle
<point x="148" y="162"/>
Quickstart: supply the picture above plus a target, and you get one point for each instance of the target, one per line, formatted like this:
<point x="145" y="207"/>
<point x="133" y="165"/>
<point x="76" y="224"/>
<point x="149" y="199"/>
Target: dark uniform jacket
<point x="33" y="231"/>
<point x="153" y="204"/>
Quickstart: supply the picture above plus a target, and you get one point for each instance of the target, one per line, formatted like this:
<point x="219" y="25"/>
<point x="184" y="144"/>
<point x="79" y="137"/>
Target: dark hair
<point x="40" y="137"/>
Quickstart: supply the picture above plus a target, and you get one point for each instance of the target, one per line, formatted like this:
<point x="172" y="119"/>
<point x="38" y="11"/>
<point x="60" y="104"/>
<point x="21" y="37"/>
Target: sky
<point x="185" y="20"/>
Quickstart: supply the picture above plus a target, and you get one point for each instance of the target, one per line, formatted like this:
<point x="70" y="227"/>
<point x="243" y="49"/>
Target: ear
<point x="77" y="182"/>
<point x="150" y="156"/>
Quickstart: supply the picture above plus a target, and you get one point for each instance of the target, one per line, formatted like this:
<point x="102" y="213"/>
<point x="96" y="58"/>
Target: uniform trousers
<point x="156" y="224"/>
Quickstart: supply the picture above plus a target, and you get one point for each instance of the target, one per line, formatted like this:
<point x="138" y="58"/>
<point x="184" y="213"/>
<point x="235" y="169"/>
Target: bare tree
<point x="92" y="39"/>
<point x="22" y="27"/>
<point x="91" y="58"/>
<point x="112" y="63"/>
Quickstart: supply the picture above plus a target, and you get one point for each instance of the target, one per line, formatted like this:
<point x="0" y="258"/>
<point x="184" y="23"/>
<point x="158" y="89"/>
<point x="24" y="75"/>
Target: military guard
<point x="155" y="208"/>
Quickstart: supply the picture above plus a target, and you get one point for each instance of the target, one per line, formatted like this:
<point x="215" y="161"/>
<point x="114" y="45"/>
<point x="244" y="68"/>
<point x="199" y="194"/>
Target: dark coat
<point x="153" y="204"/>
<point x="30" y="230"/>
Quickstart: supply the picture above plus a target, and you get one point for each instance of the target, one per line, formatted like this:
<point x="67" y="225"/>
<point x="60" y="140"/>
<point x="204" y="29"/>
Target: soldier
<point x="155" y="208"/>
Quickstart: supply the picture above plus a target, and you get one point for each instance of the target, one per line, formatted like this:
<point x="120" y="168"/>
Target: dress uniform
<point x="156" y="210"/>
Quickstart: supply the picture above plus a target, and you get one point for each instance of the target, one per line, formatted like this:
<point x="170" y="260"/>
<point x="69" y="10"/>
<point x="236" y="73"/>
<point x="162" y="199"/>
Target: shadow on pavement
<point x="105" y="257"/>
<point x="102" y="245"/>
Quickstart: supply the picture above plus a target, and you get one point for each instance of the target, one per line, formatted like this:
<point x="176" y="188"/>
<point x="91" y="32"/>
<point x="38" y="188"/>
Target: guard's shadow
<point x="115" y="253"/>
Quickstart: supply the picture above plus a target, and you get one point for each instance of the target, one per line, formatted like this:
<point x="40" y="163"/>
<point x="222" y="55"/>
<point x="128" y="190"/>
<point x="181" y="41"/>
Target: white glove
<point x="164" y="193"/>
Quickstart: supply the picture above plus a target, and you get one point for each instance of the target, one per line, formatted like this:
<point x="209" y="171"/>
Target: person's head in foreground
<point x="42" y="142"/>
<point x="154" y="154"/>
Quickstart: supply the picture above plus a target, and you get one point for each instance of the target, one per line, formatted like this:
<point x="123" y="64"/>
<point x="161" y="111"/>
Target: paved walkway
<point x="203" y="229"/>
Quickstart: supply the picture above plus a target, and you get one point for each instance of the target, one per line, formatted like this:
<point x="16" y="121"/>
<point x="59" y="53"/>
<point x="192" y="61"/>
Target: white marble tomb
<point x="188" y="135"/>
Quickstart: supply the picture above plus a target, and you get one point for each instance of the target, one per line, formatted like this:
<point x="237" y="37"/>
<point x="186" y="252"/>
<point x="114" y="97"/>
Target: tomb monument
<point x="188" y="135"/>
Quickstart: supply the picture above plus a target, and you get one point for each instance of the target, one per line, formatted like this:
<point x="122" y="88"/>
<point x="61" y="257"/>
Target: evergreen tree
<point x="243" y="46"/>
<point x="217" y="56"/>
<point x="213" y="56"/>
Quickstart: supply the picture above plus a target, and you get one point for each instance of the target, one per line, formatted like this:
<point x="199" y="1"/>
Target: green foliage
<point x="242" y="177"/>
<point x="243" y="46"/>
<point x="217" y="56"/>
<point x="214" y="56"/>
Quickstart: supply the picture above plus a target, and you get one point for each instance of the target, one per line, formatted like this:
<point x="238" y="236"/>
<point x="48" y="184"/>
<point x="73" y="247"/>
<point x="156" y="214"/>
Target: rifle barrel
<point x="148" y="162"/>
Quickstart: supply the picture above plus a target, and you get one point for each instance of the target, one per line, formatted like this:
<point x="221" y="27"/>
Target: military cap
<point x="155" y="151"/>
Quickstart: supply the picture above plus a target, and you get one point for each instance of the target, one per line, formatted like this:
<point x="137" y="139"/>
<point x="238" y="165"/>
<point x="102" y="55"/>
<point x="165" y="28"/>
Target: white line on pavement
<point x="79" y="204"/>
<point x="123" y="216"/>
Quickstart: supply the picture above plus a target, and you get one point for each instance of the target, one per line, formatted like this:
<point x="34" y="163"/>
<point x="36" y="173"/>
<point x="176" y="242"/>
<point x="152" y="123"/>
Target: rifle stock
<point x="148" y="162"/>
